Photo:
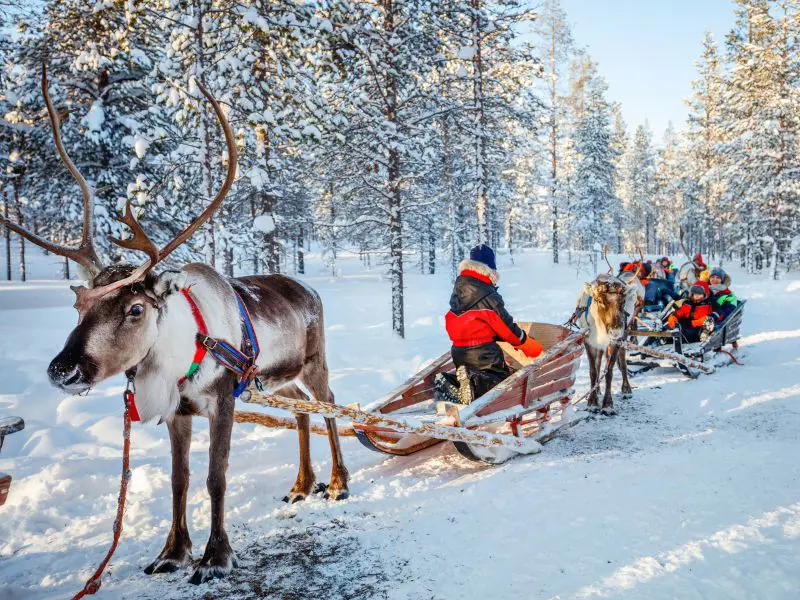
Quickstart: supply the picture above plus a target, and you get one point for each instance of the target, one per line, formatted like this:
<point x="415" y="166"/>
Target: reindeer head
<point x="608" y="295"/>
<point x="118" y="312"/>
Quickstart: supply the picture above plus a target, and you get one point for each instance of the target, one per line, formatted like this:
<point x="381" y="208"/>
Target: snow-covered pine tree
<point x="556" y="47"/>
<point x="594" y="174"/>
<point x="96" y="67"/>
<point x="640" y="187"/>
<point x="619" y="143"/>
<point x="668" y="191"/>
<point x="388" y="49"/>
<point x="496" y="69"/>
<point x="704" y="135"/>
<point x="762" y="126"/>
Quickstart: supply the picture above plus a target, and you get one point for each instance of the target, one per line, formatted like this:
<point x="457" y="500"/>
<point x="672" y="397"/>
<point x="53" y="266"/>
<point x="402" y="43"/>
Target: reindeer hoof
<point x="293" y="497"/>
<point x="167" y="565"/>
<point x="205" y="573"/>
<point x="627" y="395"/>
<point x="594" y="409"/>
<point x="320" y="488"/>
<point x="608" y="411"/>
<point x="169" y="561"/>
<point x="334" y="494"/>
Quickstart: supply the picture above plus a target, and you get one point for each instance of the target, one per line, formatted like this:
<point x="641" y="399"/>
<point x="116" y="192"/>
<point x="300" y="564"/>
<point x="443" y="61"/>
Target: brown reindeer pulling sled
<point x="604" y="310"/>
<point x="151" y="327"/>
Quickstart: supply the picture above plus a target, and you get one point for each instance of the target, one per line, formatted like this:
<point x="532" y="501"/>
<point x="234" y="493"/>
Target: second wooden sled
<point x="689" y="359"/>
<point x="533" y="403"/>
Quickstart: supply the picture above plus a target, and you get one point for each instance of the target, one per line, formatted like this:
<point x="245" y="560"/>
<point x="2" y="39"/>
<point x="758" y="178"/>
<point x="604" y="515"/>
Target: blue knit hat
<point x="719" y="272"/>
<point x="482" y="253"/>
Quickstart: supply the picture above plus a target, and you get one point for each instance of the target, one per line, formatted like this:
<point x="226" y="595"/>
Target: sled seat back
<point x="8" y="425"/>
<point x="535" y="380"/>
<point x="729" y="333"/>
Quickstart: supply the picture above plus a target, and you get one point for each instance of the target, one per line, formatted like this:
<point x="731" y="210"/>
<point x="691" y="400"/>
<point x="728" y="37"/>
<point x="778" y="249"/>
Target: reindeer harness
<point x="242" y="363"/>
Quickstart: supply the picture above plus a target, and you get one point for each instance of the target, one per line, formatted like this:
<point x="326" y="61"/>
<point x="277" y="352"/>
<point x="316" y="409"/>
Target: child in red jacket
<point x="694" y="316"/>
<point x="477" y="320"/>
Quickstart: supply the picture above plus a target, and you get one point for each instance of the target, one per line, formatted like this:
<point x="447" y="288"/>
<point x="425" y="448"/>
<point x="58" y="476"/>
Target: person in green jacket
<point x="723" y="300"/>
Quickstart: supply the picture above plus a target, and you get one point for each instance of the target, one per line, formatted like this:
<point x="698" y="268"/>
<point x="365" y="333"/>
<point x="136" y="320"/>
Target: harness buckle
<point x="209" y="342"/>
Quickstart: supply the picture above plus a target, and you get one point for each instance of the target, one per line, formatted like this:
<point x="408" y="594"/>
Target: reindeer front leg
<point x="622" y="363"/>
<point x="608" y="400"/>
<point x="218" y="559"/>
<point x="595" y="356"/>
<point x="177" y="552"/>
<point x="304" y="484"/>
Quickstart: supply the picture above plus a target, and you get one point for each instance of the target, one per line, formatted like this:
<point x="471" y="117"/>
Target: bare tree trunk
<point x="481" y="174"/>
<point x="423" y="242"/>
<point x="455" y="204"/>
<point x="21" y="221"/>
<point x="301" y="259"/>
<point x="66" y="269"/>
<point x="394" y="198"/>
<point x="553" y="142"/>
<point x="431" y="248"/>
<point x="8" y="237"/>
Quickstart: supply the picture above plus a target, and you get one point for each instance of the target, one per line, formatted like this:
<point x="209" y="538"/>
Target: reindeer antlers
<point x="683" y="244"/>
<point x="140" y="240"/>
<point x="84" y="254"/>
<point x="605" y="256"/>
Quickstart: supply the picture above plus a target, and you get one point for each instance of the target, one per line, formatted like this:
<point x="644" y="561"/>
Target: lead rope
<point x="94" y="582"/>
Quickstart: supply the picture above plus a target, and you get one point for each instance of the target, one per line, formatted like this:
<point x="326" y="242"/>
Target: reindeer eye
<point x="137" y="310"/>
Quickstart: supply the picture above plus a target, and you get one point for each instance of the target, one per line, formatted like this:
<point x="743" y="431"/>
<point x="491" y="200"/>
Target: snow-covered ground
<point x="690" y="492"/>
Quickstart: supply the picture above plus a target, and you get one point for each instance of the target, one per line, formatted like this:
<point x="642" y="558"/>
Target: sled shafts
<point x="692" y="364"/>
<point x="442" y="432"/>
<point x="518" y="411"/>
<point x="285" y="422"/>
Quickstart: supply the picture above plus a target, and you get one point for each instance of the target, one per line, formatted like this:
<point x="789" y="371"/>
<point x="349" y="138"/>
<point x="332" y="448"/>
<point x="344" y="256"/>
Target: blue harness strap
<point x="243" y="362"/>
<point x="586" y="308"/>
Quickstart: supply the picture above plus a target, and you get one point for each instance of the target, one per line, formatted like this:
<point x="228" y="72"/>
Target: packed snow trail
<point x="691" y="491"/>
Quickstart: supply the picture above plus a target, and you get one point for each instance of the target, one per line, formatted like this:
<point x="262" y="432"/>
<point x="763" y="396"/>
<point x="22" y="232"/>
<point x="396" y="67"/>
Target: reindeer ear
<point x="169" y="282"/>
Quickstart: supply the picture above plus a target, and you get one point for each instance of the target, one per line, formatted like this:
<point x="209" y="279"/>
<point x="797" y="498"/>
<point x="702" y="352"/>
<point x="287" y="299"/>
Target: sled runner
<point x="8" y="425"/>
<point x="532" y="404"/>
<point x="665" y="346"/>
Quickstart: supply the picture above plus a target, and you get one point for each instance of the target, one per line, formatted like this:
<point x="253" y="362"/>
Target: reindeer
<point x="133" y="321"/>
<point x="606" y="305"/>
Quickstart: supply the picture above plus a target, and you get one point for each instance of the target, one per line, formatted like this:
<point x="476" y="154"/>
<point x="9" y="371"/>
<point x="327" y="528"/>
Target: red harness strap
<point x="200" y="349"/>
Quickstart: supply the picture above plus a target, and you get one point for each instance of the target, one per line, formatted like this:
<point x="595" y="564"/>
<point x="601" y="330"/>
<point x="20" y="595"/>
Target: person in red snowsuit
<point x="694" y="316"/>
<point x="476" y="321"/>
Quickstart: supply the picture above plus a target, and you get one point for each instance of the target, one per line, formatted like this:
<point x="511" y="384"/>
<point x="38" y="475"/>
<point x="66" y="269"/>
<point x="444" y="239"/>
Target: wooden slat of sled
<point x="568" y="358"/>
<point x="513" y="395"/>
<point x="551" y="387"/>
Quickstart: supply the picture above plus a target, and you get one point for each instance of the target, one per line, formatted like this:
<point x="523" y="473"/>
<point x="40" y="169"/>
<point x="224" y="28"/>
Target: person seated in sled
<point x="477" y="320"/>
<point x="658" y="290"/>
<point x="702" y="280"/>
<point x="695" y="316"/>
<point x="669" y="268"/>
<point x="723" y="300"/>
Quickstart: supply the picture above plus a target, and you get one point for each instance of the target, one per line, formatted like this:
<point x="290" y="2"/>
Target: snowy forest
<point x="404" y="130"/>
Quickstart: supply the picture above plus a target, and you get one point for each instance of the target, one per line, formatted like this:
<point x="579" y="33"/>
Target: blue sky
<point x="646" y="50"/>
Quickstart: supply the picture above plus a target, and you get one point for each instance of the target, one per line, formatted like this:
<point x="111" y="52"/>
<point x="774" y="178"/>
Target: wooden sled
<point x="533" y="403"/>
<point x="689" y="359"/>
<point x="8" y="425"/>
